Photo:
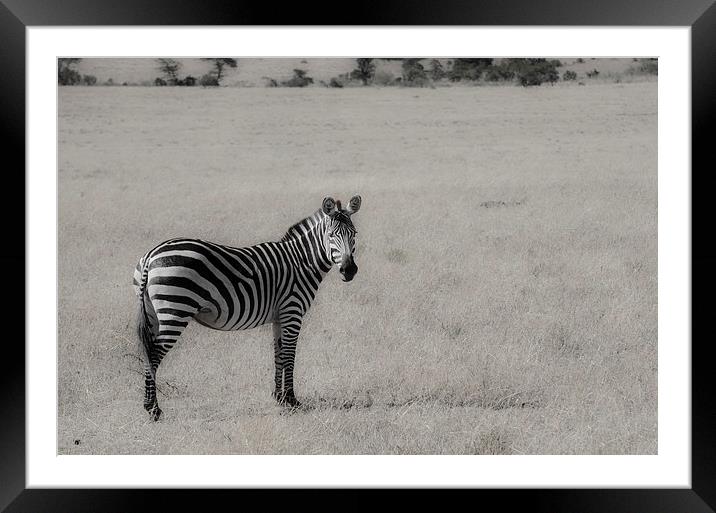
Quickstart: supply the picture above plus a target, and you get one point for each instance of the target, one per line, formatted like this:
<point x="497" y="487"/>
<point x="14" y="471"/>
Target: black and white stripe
<point x="228" y="288"/>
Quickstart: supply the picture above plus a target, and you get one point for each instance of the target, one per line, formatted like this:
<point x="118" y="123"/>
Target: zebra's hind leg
<point x="169" y="332"/>
<point x="147" y="330"/>
<point x="150" y="395"/>
<point x="172" y="323"/>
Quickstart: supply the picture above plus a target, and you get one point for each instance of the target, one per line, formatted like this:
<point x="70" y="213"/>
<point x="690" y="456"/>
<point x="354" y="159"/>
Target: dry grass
<point x="506" y="301"/>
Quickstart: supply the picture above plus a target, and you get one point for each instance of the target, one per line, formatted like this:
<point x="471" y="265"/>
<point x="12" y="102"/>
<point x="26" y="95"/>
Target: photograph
<point x="357" y="255"/>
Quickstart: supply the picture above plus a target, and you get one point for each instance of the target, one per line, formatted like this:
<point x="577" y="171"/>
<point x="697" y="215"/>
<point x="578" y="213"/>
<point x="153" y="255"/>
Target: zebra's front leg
<point x="278" y="379"/>
<point x="289" y="336"/>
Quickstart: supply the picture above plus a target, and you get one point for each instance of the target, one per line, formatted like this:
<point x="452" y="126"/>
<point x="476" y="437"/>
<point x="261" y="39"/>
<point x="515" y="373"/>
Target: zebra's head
<point x="341" y="235"/>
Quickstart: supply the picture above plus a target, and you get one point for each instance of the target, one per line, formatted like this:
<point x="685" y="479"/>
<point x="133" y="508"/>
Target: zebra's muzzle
<point x="348" y="270"/>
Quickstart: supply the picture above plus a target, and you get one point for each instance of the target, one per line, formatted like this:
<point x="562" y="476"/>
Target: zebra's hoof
<point x="286" y="399"/>
<point x="292" y="402"/>
<point x="154" y="411"/>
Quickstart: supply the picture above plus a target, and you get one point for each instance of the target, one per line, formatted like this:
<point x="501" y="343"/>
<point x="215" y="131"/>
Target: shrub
<point x="644" y="67"/>
<point x="580" y="60"/>
<point x="190" y="81"/>
<point x="208" y="80"/>
<point x="414" y="74"/>
<point x="89" y="80"/>
<point x="468" y="69"/>
<point x="569" y="75"/>
<point x="159" y="81"/>
<point x="531" y="72"/>
<point x="499" y="73"/>
<point x="437" y="72"/>
<point x="383" y="78"/>
<point x="68" y="76"/>
<point x="270" y="82"/>
<point x="299" y="79"/>
<point x="334" y="82"/>
<point x="109" y="82"/>
<point x="649" y="66"/>
<point x="593" y="74"/>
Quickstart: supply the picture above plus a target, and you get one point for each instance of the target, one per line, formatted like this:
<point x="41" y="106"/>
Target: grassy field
<point x="506" y="301"/>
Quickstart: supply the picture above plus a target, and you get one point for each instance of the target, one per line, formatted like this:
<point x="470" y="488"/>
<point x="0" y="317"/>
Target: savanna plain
<point x="506" y="298"/>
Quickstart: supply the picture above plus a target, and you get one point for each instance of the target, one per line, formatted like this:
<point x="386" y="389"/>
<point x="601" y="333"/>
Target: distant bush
<point x="89" y="80"/>
<point x="649" y="66"/>
<point x="437" y="71"/>
<point x="500" y="73"/>
<point x="383" y="78"/>
<point x="66" y="74"/>
<point x="533" y="72"/>
<point x="299" y="79"/>
<point x="334" y="82"/>
<point x="569" y="75"/>
<point x="580" y="60"/>
<point x="159" y="81"/>
<point x="468" y="69"/>
<point x="644" y="67"/>
<point x="593" y="74"/>
<point x="208" y="80"/>
<point x="186" y="81"/>
<point x="269" y="82"/>
<point x="414" y="74"/>
<point x="109" y="82"/>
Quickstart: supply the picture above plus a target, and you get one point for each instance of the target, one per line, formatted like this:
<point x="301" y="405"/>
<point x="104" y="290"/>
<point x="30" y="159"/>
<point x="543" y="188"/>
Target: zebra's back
<point x="220" y="286"/>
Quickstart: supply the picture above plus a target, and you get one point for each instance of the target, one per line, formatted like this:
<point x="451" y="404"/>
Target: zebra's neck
<point x="307" y="238"/>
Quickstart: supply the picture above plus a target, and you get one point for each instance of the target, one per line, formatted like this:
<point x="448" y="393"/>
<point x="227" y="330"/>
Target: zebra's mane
<point x="298" y="230"/>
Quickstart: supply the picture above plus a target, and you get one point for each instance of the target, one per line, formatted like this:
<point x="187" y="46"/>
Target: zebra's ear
<point x="329" y="205"/>
<point x="354" y="205"/>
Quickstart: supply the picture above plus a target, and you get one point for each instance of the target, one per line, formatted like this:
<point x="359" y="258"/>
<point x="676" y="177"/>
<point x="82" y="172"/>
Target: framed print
<point x="507" y="197"/>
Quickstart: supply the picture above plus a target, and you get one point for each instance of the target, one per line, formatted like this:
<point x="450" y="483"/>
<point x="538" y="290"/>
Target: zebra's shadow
<point x="314" y="403"/>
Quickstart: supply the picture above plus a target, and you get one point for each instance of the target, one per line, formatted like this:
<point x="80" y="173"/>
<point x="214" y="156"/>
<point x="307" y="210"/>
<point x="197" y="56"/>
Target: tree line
<point x="67" y="73"/>
<point x="415" y="72"/>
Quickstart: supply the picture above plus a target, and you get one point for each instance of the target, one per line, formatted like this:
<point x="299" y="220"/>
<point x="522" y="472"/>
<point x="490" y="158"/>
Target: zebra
<point x="228" y="288"/>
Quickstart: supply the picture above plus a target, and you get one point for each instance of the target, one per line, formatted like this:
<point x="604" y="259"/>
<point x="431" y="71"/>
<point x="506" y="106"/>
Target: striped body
<point x="228" y="288"/>
<point x="222" y="287"/>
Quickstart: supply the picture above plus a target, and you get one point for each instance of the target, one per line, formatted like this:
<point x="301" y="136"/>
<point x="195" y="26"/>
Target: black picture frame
<point x="16" y="15"/>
